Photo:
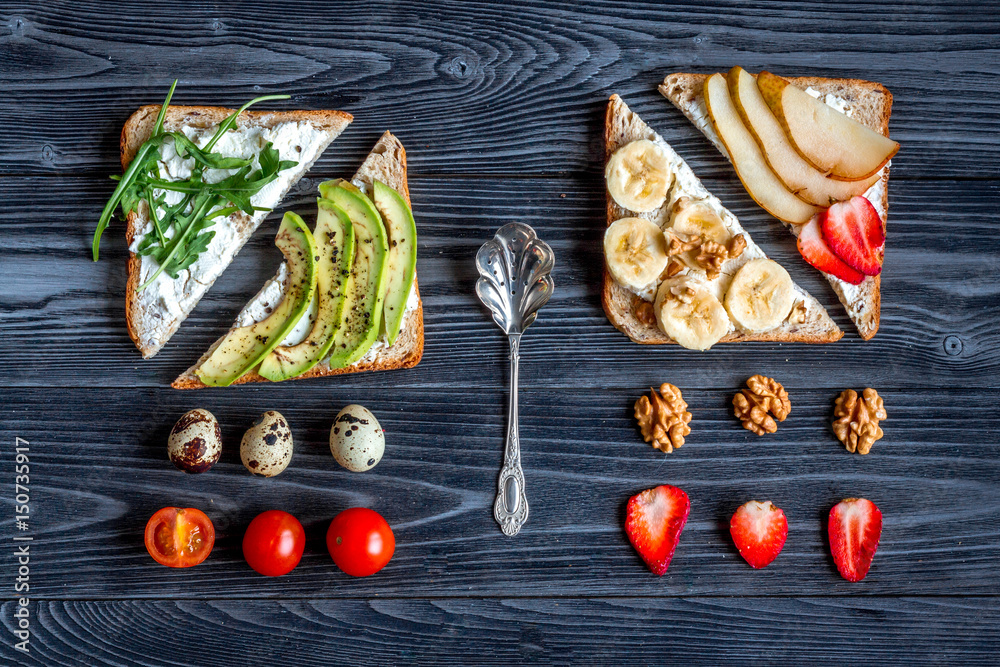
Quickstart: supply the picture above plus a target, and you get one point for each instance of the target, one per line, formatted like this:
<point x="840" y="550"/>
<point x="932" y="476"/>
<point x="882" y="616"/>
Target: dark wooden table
<point x="501" y="111"/>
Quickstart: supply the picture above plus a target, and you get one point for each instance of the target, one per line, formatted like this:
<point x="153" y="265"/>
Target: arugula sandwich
<point x="198" y="181"/>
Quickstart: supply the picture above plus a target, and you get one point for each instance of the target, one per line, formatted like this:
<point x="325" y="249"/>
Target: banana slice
<point x="638" y="176"/>
<point x="695" y="218"/>
<point x="760" y="296"/>
<point x="690" y="314"/>
<point x="635" y="250"/>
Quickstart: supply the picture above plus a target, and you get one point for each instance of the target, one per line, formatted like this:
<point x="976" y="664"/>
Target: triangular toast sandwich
<point x="866" y="102"/>
<point x="386" y="163"/>
<point x="154" y="314"/>
<point x="635" y="311"/>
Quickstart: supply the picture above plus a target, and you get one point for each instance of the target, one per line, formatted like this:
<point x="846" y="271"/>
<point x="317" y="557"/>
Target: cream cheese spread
<point x="831" y="100"/>
<point x="166" y="301"/>
<point x="261" y="305"/>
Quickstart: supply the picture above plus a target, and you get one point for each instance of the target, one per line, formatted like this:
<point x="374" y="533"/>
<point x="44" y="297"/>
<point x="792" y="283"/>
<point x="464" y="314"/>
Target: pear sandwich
<point x="802" y="146"/>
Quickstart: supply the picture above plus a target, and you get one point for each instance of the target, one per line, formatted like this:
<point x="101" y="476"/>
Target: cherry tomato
<point x="178" y="537"/>
<point x="360" y="541"/>
<point x="273" y="543"/>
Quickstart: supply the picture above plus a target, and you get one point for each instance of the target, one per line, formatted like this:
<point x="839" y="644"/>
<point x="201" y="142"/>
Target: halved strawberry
<point x="654" y="520"/>
<point x="855" y="527"/>
<point x="853" y="230"/>
<point x="759" y="531"/>
<point x="815" y="251"/>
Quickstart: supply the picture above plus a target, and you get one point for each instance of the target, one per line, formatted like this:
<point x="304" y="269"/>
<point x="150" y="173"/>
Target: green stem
<point x="179" y="239"/>
<point x="228" y="123"/>
<point x="152" y="216"/>
<point x="137" y="163"/>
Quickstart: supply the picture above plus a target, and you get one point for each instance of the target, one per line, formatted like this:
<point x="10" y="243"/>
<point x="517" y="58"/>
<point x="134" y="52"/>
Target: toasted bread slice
<point x="622" y="126"/>
<point x="870" y="104"/>
<point x="154" y="314"/>
<point x="386" y="163"/>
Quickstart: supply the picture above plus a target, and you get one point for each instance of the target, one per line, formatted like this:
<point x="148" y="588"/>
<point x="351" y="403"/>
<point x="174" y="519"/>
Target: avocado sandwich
<point x="345" y="299"/>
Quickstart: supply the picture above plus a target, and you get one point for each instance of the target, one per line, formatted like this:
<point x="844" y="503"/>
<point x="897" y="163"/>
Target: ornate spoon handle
<point x="511" y="506"/>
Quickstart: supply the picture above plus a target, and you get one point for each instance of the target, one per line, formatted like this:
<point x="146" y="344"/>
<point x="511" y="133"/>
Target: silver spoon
<point x="514" y="283"/>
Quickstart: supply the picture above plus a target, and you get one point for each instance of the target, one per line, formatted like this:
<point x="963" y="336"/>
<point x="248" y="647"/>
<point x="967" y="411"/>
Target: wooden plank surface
<point x="934" y="475"/>
<point x="939" y="315"/>
<point x="501" y="111"/>
<point x="879" y="630"/>
<point x="483" y="89"/>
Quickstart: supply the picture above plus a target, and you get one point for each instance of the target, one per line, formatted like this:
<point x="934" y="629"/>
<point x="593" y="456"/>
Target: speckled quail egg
<point x="266" y="448"/>
<point x="195" y="441"/>
<point x="357" y="440"/>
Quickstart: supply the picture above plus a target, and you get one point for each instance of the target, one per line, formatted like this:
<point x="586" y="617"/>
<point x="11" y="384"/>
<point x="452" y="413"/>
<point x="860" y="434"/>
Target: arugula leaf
<point x="231" y="120"/>
<point x="187" y="148"/>
<point x="182" y="232"/>
<point x="139" y="163"/>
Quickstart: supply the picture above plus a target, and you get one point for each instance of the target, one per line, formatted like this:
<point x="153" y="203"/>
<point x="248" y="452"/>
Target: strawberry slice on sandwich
<point x="853" y="231"/>
<point x="846" y="240"/>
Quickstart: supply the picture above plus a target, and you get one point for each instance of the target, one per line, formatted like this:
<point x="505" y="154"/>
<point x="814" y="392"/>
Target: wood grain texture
<point x="99" y="471"/>
<point x="481" y="88"/>
<point x="940" y="317"/>
<point x="501" y="110"/>
<point x="695" y="631"/>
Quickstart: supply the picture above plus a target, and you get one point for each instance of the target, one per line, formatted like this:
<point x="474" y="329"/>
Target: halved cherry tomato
<point x="273" y="543"/>
<point x="178" y="537"/>
<point x="360" y="541"/>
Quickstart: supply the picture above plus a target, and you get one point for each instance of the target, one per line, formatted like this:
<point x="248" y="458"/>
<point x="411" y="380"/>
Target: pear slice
<point x="759" y="180"/>
<point x="832" y="142"/>
<point x="244" y="347"/>
<point x="794" y="171"/>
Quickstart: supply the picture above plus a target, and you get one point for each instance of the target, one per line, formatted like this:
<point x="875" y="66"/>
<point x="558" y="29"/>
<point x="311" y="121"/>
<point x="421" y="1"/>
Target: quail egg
<point x="266" y="449"/>
<point x="195" y="441"/>
<point x="357" y="440"/>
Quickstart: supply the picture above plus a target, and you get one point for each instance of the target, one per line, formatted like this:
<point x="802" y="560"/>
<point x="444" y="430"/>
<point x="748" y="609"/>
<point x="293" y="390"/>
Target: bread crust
<point x="387" y="163"/>
<point x="137" y="130"/>
<point x="620" y="127"/>
<point x="872" y="105"/>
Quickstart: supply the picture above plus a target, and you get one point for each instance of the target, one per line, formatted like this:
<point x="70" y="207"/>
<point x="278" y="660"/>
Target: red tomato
<point x="178" y="537"/>
<point x="273" y="543"/>
<point x="360" y="541"/>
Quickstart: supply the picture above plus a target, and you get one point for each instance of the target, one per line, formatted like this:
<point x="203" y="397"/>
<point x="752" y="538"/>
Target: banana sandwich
<point x="679" y="267"/>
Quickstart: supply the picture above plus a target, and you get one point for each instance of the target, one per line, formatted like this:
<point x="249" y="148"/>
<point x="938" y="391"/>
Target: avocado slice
<point x="245" y="347"/>
<point x="334" y="236"/>
<point x="362" y="318"/>
<point x="402" y="232"/>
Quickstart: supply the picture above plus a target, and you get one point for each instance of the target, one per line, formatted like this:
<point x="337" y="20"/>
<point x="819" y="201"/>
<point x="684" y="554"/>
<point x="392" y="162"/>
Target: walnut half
<point x="713" y="255"/>
<point x="856" y="419"/>
<point x="761" y="403"/>
<point x="663" y="417"/>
